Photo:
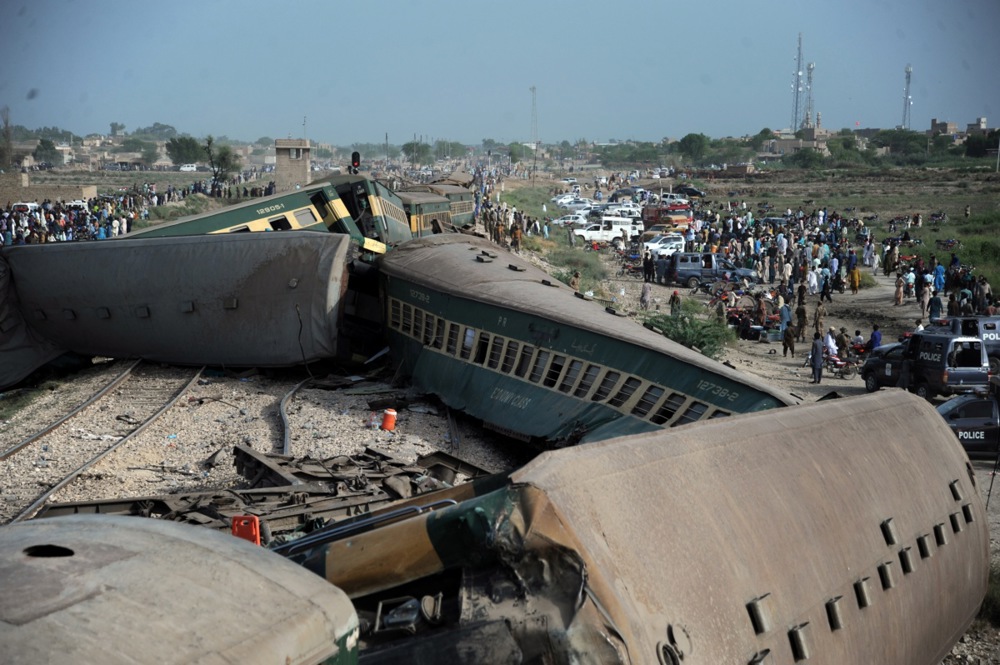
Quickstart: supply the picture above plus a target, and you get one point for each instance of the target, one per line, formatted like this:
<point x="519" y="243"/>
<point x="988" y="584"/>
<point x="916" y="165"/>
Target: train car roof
<point x="452" y="259"/>
<point x="441" y="188"/>
<point x="100" y="589"/>
<point x="691" y="526"/>
<point x="410" y="197"/>
<point x="461" y="178"/>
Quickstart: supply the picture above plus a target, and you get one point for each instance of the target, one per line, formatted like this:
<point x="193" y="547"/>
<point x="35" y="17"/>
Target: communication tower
<point x="807" y="120"/>
<point x="534" y="131"/>
<point x="797" y="89"/>
<point x="907" y="100"/>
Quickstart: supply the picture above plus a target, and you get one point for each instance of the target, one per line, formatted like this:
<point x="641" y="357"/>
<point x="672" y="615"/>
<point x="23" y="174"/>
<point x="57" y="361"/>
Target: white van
<point x="25" y="207"/>
<point x="188" y="167"/>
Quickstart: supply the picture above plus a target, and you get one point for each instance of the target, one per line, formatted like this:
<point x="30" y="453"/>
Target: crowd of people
<point x="114" y="214"/>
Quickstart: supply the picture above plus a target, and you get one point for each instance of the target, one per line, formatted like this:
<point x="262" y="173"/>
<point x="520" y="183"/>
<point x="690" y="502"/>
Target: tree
<point x="264" y="141"/>
<point x="806" y="158"/>
<point x="517" y="152"/>
<point x="46" y="152"/>
<point x="417" y="152"/>
<point x="222" y="160"/>
<point x="758" y="140"/>
<point x="693" y="146"/>
<point x="185" y="150"/>
<point x="150" y="153"/>
<point x="156" y="131"/>
<point x="323" y="153"/>
<point x="117" y="127"/>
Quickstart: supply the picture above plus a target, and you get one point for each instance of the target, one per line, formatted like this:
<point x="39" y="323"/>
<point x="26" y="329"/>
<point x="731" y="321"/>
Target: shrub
<point x="707" y="336"/>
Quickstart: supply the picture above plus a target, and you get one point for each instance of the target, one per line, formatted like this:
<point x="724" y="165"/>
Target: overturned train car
<point x="496" y="337"/>
<point x="847" y="531"/>
<point x="248" y="299"/>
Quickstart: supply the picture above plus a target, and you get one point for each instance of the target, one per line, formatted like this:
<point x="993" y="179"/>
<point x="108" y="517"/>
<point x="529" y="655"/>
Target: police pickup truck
<point x="929" y="364"/>
<point x="975" y="420"/>
<point x="986" y="328"/>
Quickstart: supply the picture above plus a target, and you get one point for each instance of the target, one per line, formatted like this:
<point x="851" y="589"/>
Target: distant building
<point x="291" y="163"/>
<point x="943" y="128"/>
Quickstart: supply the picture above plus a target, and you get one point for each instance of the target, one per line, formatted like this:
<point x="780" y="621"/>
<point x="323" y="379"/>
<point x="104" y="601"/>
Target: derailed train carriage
<point x="497" y="338"/>
<point x="845" y="531"/>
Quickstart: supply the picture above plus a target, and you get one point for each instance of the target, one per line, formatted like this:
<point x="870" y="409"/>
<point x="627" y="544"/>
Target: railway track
<point x="48" y="460"/>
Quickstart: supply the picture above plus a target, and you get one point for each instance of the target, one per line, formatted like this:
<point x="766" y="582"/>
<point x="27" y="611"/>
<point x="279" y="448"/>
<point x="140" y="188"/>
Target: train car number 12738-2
<point x="716" y="389"/>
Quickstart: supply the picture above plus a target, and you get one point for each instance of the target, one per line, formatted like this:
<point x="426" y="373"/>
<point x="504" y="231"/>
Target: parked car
<point x="694" y="268"/>
<point x="975" y="420"/>
<point x="188" y="168"/>
<point x="929" y="364"/>
<point x="569" y="220"/>
<point x="689" y="191"/>
<point x="665" y="244"/>
<point x="986" y="328"/>
<point x="577" y="204"/>
<point x="569" y="181"/>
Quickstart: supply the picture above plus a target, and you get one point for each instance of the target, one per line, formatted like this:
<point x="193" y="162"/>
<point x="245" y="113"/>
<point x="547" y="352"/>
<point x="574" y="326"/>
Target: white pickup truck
<point x="611" y="229"/>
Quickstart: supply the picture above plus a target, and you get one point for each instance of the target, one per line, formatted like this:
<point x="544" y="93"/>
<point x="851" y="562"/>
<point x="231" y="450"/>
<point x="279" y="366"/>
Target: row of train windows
<point x="572" y="376"/>
<point x="303" y="218"/>
<point x="459" y="207"/>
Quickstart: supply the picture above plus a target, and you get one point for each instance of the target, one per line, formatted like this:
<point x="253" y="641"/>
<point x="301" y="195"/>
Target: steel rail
<point x="93" y="398"/>
<point x="286" y="437"/>
<point x="40" y="501"/>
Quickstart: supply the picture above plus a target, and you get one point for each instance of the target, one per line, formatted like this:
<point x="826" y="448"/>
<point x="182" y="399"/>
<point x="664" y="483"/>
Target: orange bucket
<point x="389" y="420"/>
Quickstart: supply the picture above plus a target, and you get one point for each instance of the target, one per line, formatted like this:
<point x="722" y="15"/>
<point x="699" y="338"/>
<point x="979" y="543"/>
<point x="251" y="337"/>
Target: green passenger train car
<point x="495" y="337"/>
<point x="315" y="207"/>
<point x="461" y="200"/>
<point x="375" y="208"/>
<point x="428" y="213"/>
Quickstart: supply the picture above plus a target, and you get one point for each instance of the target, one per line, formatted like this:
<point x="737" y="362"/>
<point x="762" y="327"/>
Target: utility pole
<point x="534" y="134"/>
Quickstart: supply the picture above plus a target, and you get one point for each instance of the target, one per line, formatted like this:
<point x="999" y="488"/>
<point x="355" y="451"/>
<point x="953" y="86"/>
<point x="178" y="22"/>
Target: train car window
<point x="524" y="362"/>
<point x="407" y="318"/>
<point x="394" y="314"/>
<point x="538" y="370"/>
<point x="467" y="340"/>
<point x="692" y="414"/>
<point x="418" y="322"/>
<point x="632" y="384"/>
<point x="240" y="229"/>
<point x="496" y="351"/>
<point x="607" y="383"/>
<point x="439" y="325"/>
<point x="668" y="409"/>
<point x="648" y="399"/>
<point x="482" y="349"/>
<point x="552" y="376"/>
<point x="509" y="357"/>
<point x="589" y="376"/>
<point x="280" y="223"/>
<point x="428" y="328"/>
<point x="719" y="414"/>
<point x="572" y="374"/>
<point x="452" y="338"/>
<point x="305" y="217"/>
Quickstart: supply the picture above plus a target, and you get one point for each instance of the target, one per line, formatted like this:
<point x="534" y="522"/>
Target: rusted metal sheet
<point x="810" y="533"/>
<point x="291" y="494"/>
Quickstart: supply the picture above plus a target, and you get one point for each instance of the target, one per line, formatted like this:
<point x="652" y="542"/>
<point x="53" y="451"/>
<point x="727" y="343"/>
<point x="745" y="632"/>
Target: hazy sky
<point x="461" y="71"/>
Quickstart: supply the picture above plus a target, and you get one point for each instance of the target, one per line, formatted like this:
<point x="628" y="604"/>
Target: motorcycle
<point x="839" y="367"/>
